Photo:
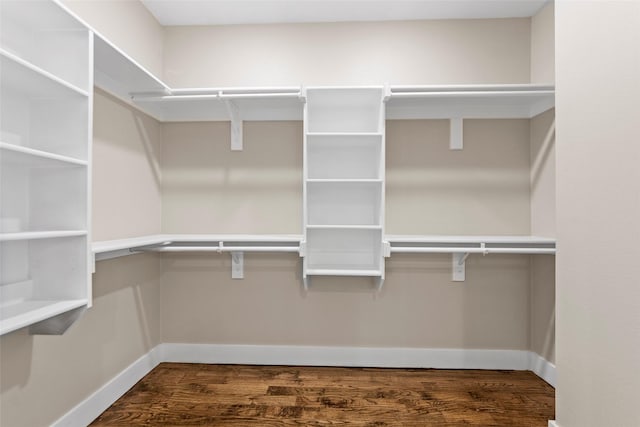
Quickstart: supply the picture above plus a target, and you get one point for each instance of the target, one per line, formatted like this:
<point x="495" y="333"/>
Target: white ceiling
<point x="228" y="12"/>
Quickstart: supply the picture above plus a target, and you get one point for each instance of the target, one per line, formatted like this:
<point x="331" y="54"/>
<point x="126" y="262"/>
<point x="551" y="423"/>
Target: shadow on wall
<point x="16" y="352"/>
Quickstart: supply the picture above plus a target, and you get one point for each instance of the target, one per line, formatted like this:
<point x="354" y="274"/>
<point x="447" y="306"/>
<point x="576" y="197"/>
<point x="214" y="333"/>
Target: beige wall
<point x="543" y="174"/>
<point x="414" y="52"/>
<point x="542" y="45"/>
<point x="43" y="377"/>
<point x="207" y="188"/>
<point x="431" y="189"/>
<point x="598" y="296"/>
<point x="418" y="306"/>
<point x="126" y="171"/>
<point x="128" y="25"/>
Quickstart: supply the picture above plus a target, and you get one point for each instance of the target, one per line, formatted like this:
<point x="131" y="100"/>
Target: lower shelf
<point x="337" y="271"/>
<point x="24" y="313"/>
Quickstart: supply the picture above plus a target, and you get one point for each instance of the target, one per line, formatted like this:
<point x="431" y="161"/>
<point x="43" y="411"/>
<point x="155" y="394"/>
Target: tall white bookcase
<point x="344" y="182"/>
<point x="45" y="166"/>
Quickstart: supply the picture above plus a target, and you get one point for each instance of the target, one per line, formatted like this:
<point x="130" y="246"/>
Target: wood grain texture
<point x="177" y="394"/>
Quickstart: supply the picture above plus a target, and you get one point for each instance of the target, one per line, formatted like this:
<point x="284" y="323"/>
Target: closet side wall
<point x="598" y="333"/>
<point x="55" y="373"/>
<point x="409" y="52"/>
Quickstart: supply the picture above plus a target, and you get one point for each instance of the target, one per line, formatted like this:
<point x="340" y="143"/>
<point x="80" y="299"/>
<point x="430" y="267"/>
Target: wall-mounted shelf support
<point x="456" y="134"/>
<point x="237" y="265"/>
<point x="458" y="266"/>
<point x="236" y="124"/>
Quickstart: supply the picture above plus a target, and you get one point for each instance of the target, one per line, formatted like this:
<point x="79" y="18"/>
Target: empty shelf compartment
<point x="344" y="110"/>
<point x="344" y="203"/>
<point x="338" y="252"/>
<point x="344" y="156"/>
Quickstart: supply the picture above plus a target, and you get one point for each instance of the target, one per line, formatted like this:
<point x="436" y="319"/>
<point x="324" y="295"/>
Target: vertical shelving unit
<point x="344" y="182"/>
<point x="45" y="166"/>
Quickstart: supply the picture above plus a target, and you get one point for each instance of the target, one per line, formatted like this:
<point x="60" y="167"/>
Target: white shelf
<point x="31" y="80"/>
<point x="29" y="157"/>
<point x="45" y="166"/>
<point x="344" y="181"/>
<point x="337" y="271"/>
<point x="25" y="313"/>
<point x="200" y="242"/>
<point x="343" y="227"/>
<point x="530" y="245"/>
<point x="46" y="35"/>
<point x="469" y="101"/>
<point x="252" y="104"/>
<point x="34" y="235"/>
<point x="118" y="74"/>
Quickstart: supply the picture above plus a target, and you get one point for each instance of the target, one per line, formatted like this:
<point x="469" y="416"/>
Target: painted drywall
<point x="418" y="306"/>
<point x="126" y="171"/>
<point x="207" y="188"/>
<point x="543" y="306"/>
<point x="412" y="52"/>
<point x="127" y="24"/>
<point x="43" y="377"/>
<point x="543" y="174"/>
<point x="542" y="45"/>
<point x="431" y="189"/>
<point x="598" y="292"/>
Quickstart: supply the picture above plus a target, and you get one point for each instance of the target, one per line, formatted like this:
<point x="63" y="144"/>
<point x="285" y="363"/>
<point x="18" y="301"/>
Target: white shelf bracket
<point x="237" y="265"/>
<point x="379" y="285"/>
<point x="305" y="283"/>
<point x="386" y="249"/>
<point x="303" y="94"/>
<point x="458" y="266"/>
<point x="236" y="125"/>
<point x="456" y="134"/>
<point x="303" y="248"/>
<point x="387" y="92"/>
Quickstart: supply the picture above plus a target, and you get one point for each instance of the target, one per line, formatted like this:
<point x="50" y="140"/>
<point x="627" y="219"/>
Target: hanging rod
<point x="472" y="250"/>
<point x="470" y="94"/>
<point x="220" y="249"/>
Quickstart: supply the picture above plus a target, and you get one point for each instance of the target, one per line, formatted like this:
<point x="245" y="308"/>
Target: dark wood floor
<point x="192" y="394"/>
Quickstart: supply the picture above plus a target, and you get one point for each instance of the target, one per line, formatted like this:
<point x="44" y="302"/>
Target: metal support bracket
<point x="456" y="134"/>
<point x="236" y="125"/>
<point x="458" y="266"/>
<point x="237" y="265"/>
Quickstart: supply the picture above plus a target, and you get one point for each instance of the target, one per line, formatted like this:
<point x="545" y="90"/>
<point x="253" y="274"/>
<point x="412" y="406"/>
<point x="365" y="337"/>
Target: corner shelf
<point x="25" y="313"/>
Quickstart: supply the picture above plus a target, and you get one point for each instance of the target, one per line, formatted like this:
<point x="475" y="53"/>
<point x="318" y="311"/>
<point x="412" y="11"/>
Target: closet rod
<point x="474" y="250"/>
<point x="222" y="249"/>
<point x="214" y="96"/>
<point x="445" y="94"/>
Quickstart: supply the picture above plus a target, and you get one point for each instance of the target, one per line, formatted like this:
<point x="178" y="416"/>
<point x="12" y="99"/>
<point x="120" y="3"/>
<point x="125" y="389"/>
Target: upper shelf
<point x="469" y="101"/>
<point x="121" y="76"/>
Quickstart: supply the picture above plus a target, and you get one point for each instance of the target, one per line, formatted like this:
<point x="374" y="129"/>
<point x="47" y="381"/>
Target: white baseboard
<point x="90" y="408"/>
<point x="553" y="423"/>
<point x="346" y="356"/>
<point x="542" y="368"/>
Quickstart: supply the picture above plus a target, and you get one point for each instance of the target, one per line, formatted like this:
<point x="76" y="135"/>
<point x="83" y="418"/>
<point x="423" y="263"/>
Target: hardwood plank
<point x="240" y="395"/>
